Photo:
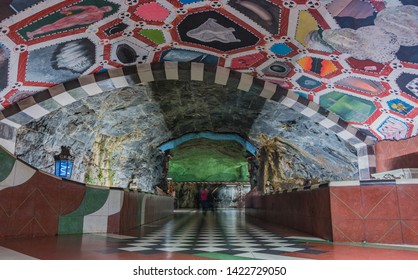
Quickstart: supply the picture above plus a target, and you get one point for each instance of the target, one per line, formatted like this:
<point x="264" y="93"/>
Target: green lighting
<point x="205" y="160"/>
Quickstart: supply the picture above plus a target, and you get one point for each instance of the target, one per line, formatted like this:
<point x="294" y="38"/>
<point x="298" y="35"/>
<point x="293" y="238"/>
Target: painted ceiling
<point x="356" y="58"/>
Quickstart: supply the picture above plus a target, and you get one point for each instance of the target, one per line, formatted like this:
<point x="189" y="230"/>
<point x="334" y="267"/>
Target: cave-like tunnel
<point x="208" y="129"/>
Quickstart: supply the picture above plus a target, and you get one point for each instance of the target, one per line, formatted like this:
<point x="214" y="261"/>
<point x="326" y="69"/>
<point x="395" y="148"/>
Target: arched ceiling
<point x="118" y="133"/>
<point x="358" y="59"/>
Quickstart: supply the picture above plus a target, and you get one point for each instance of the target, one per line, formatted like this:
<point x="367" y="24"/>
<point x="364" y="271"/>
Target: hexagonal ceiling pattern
<point x="356" y="58"/>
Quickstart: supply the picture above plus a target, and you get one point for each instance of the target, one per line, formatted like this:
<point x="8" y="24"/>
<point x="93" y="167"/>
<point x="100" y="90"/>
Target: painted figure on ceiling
<point x="211" y="31"/>
<point x="88" y="15"/>
<point x="393" y="129"/>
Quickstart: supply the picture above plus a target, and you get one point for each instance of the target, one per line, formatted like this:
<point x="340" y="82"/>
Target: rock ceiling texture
<point x="356" y="58"/>
<point x="116" y="134"/>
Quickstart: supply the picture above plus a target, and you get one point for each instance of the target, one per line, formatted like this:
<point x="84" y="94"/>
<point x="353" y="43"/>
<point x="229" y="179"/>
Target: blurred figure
<point x="181" y="196"/>
<point x="204" y="199"/>
<point x="213" y="199"/>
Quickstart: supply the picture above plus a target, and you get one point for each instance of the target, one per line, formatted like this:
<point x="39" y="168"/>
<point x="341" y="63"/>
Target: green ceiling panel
<point x="205" y="160"/>
<point x="154" y="35"/>
<point x="350" y="108"/>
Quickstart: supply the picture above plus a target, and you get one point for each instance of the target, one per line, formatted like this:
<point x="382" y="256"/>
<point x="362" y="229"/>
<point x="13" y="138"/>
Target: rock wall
<point x="312" y="151"/>
<point x="309" y="150"/>
<point x="114" y="137"/>
<point x="220" y="195"/>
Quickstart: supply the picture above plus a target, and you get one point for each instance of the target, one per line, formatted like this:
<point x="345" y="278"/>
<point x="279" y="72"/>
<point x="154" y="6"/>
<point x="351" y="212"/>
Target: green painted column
<point x="6" y="164"/>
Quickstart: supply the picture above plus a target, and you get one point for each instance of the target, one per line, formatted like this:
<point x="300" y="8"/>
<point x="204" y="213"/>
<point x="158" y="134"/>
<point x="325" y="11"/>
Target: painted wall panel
<point x="32" y="208"/>
<point x="391" y="155"/>
<point x="375" y="214"/>
<point x="6" y="166"/>
<point x="73" y="222"/>
<point x="307" y="211"/>
<point x="98" y="221"/>
<point x="130" y="211"/>
<point x="34" y="204"/>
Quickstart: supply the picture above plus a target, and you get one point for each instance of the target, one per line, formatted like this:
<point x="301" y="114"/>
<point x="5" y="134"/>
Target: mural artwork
<point x="318" y="66"/>
<point x="262" y="12"/>
<point x="379" y="40"/>
<point x="154" y="35"/>
<point x="308" y="83"/>
<point x="20" y="95"/>
<point x="400" y="106"/>
<point x="118" y="28"/>
<point x="216" y="31"/>
<point x="393" y="129"/>
<point x="4" y="66"/>
<point x="281" y="49"/>
<point x="366" y="49"/>
<point x="277" y="68"/>
<point x="188" y="56"/>
<point x="152" y="12"/>
<point x="352" y="13"/>
<point x="20" y="5"/>
<point x="61" y="62"/>
<point x="69" y="18"/>
<point x="348" y="107"/>
<point x="366" y="66"/>
<point x="364" y="85"/>
<point x="409" y="84"/>
<point x="409" y="54"/>
<point x="307" y="24"/>
<point x="246" y="61"/>
<point x="127" y="53"/>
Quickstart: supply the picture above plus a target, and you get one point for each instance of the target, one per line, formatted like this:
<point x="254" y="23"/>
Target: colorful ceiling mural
<point x="357" y="58"/>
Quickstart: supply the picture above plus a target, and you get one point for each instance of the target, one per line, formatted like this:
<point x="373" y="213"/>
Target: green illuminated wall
<point x="205" y="160"/>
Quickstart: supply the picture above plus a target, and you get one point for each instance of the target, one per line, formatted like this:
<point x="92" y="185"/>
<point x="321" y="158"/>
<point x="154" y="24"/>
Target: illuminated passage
<point x="206" y="160"/>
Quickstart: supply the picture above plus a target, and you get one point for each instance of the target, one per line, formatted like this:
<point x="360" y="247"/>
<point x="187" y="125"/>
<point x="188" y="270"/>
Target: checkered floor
<point x="222" y="233"/>
<point x="190" y="235"/>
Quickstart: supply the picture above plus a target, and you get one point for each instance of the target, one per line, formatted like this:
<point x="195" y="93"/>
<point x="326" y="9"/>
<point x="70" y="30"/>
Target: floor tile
<point x="189" y="235"/>
<point x="8" y="254"/>
<point x="263" y="256"/>
<point x="285" y="249"/>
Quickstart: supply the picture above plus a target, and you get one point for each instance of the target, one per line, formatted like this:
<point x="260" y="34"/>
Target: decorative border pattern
<point x="47" y="101"/>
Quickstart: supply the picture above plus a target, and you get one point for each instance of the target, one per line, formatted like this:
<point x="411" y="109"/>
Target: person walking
<point x="204" y="199"/>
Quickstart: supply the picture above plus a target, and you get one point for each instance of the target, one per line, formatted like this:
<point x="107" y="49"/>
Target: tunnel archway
<point x="219" y="162"/>
<point x="209" y="135"/>
<point x="66" y="93"/>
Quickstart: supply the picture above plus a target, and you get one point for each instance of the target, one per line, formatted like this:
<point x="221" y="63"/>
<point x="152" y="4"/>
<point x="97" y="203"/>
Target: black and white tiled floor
<point x="221" y="233"/>
<point x="190" y="235"/>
